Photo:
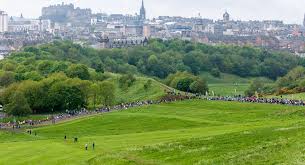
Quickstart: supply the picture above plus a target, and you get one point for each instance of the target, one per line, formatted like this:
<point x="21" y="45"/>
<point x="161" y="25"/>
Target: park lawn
<point x="187" y="132"/>
<point x="230" y="85"/>
<point x="228" y="89"/>
<point x="226" y="78"/>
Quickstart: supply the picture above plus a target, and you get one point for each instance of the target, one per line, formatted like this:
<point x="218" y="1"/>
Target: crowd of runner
<point x="281" y="101"/>
<point x="52" y="119"/>
<point x="173" y="96"/>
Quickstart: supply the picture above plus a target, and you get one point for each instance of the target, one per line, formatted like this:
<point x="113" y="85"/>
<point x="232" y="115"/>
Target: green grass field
<point x="137" y="92"/>
<point x="188" y="132"/>
<point x="228" y="89"/>
<point x="228" y="84"/>
<point x="231" y="79"/>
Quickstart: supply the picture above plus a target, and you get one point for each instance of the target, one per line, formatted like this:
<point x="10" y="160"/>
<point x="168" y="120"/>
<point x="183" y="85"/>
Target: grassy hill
<point x="188" y="132"/>
<point x="137" y="92"/>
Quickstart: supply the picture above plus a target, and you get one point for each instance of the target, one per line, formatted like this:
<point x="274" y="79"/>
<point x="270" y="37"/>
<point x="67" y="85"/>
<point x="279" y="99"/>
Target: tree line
<point x="55" y="93"/>
<point x="161" y="58"/>
<point x="62" y="75"/>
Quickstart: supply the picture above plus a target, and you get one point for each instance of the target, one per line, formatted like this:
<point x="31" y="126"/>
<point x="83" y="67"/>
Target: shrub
<point x="215" y="72"/>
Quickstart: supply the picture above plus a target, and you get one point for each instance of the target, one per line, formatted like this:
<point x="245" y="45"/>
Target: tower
<point x="3" y="22"/>
<point x="226" y="17"/>
<point x="304" y="20"/>
<point x="142" y="11"/>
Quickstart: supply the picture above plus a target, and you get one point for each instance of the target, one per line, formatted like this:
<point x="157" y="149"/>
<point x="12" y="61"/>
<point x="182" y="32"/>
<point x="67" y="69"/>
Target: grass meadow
<point x="187" y="132"/>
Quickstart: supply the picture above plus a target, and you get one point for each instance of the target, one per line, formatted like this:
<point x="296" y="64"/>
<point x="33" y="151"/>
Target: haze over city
<point x="290" y="11"/>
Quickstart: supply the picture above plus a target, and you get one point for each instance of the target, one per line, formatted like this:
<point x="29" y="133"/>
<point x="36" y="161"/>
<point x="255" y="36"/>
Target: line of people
<point x="171" y="97"/>
<point x="282" y="101"/>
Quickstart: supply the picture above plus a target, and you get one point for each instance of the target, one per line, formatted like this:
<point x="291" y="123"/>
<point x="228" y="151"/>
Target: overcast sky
<point x="290" y="11"/>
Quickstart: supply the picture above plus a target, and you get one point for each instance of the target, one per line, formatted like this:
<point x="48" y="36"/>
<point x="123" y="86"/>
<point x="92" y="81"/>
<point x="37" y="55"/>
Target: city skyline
<point x="239" y="9"/>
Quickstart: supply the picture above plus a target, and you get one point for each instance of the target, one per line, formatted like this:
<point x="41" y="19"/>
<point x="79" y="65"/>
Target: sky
<point x="290" y="11"/>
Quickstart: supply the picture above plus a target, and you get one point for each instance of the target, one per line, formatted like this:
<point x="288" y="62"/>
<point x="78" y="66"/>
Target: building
<point x="3" y="22"/>
<point x="67" y="13"/>
<point x="142" y="11"/>
<point x="21" y="24"/>
<point x="133" y="30"/>
<point x="304" y="20"/>
<point x="226" y="17"/>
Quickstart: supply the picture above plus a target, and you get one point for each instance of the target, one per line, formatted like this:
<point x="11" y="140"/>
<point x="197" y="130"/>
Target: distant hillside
<point x="161" y="58"/>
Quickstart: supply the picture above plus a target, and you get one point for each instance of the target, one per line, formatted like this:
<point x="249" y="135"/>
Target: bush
<point x="215" y="72"/>
<point x="127" y="80"/>
<point x="148" y="84"/>
<point x="199" y="86"/>
<point x="256" y="86"/>
<point x="187" y="82"/>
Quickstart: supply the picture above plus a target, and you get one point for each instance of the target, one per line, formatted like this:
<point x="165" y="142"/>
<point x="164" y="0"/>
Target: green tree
<point x="33" y="75"/>
<point x="79" y="71"/>
<point x="65" y="96"/>
<point x="18" y="105"/>
<point x="95" y="92"/>
<point x="36" y="95"/>
<point x="127" y="80"/>
<point x="199" y="86"/>
<point x="215" y="72"/>
<point x="256" y="87"/>
<point x="7" y="78"/>
<point x="107" y="93"/>
<point x="184" y="84"/>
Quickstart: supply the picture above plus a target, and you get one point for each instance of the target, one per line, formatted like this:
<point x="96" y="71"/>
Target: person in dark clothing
<point x="65" y="137"/>
<point x="93" y="145"/>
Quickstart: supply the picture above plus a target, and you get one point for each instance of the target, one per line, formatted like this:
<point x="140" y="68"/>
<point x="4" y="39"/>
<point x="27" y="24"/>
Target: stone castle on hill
<point x="66" y="13"/>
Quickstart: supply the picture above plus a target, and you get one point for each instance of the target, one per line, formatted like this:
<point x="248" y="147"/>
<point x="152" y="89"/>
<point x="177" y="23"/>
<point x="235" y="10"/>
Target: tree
<point x="94" y="91"/>
<point x="18" y="105"/>
<point x="256" y="87"/>
<point x="184" y="84"/>
<point x="107" y="93"/>
<point x="7" y="78"/>
<point x="215" y="72"/>
<point x="9" y="66"/>
<point x="33" y="75"/>
<point x="199" y="86"/>
<point x="45" y="67"/>
<point x="127" y="80"/>
<point x="66" y="96"/>
<point x="79" y="71"/>
<point x="36" y="95"/>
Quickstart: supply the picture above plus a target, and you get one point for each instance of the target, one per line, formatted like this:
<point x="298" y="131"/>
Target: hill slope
<point x="189" y="132"/>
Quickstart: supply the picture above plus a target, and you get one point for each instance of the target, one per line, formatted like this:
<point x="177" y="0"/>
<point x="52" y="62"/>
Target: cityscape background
<point x="290" y="11"/>
<point x="273" y="24"/>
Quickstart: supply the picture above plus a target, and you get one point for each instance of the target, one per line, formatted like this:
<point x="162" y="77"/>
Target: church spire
<point x="143" y="11"/>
